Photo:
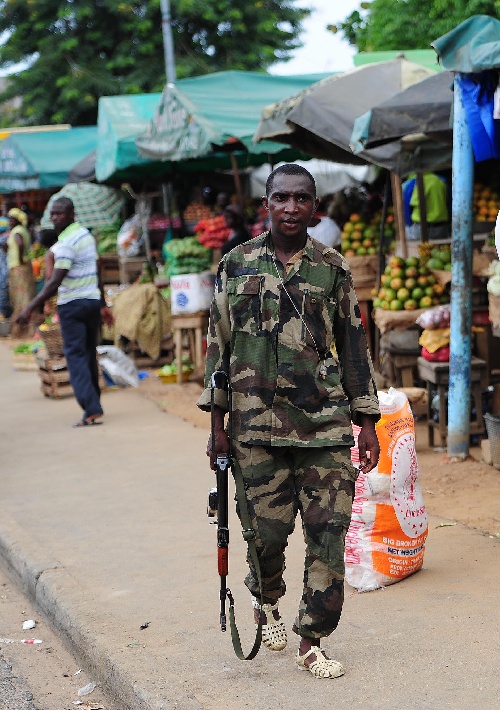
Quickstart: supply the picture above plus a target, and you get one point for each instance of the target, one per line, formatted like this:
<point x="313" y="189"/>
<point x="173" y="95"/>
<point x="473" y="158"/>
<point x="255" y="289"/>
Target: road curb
<point x="51" y="588"/>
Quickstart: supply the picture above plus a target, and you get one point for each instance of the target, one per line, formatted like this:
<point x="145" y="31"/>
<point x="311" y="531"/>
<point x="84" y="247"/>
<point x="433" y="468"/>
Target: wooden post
<point x="399" y="213"/>
<point x="236" y="177"/>
<point x="422" y="206"/>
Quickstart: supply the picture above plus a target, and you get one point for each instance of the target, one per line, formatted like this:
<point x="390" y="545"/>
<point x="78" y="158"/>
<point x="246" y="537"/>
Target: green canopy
<point x="212" y="114"/>
<point x="120" y="120"/>
<point x="472" y="47"/>
<point x="42" y="159"/>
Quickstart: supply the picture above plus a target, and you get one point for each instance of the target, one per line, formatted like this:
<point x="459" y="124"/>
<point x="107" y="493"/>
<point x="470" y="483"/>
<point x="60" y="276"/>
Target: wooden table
<point x="194" y="326"/>
<point x="436" y="376"/>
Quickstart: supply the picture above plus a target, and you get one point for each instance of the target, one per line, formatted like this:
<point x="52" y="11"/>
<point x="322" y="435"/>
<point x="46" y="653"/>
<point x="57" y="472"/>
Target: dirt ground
<point x="465" y="492"/>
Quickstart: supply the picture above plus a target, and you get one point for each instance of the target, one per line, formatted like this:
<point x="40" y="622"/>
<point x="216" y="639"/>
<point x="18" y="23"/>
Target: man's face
<point x="62" y="216"/>
<point x="291" y="205"/>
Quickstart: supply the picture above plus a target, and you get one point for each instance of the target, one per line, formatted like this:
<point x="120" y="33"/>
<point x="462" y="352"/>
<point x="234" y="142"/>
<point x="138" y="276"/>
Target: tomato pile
<point x="213" y="232"/>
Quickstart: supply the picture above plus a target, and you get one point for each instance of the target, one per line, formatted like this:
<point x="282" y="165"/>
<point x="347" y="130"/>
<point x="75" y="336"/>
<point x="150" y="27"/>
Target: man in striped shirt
<point x="80" y="305"/>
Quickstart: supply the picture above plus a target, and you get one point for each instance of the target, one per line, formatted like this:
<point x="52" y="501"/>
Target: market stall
<point x="319" y="124"/>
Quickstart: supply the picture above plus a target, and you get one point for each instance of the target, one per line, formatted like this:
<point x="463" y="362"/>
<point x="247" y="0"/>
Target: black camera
<point x="212" y="503"/>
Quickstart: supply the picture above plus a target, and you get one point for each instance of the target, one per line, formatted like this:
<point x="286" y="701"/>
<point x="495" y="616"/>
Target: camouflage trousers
<point x="318" y="483"/>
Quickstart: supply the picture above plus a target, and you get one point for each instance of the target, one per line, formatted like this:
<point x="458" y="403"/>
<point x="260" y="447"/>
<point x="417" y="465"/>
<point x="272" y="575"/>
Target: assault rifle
<point x="218" y="504"/>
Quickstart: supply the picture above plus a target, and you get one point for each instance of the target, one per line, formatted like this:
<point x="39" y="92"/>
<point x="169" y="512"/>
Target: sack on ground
<point x="386" y="539"/>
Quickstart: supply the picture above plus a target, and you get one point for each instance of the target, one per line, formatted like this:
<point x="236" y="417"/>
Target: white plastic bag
<point x="386" y="539"/>
<point x="128" y="240"/>
<point x="119" y="367"/>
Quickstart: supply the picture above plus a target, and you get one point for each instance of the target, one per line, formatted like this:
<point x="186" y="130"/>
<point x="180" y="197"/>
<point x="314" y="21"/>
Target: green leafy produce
<point x="26" y="348"/>
<point x="186" y="256"/>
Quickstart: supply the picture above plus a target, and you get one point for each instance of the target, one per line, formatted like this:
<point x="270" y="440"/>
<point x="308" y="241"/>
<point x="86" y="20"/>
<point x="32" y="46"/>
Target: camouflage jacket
<point x="272" y="335"/>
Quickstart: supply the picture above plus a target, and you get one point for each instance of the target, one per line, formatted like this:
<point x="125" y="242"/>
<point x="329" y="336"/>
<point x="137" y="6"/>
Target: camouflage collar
<point x="307" y="251"/>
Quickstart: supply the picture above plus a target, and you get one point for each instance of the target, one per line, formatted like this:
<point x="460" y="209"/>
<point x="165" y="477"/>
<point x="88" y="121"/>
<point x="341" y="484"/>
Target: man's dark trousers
<point x="80" y="322"/>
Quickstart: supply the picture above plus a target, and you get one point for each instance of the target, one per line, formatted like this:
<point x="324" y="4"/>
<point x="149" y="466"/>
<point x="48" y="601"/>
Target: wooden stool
<point x="194" y="326"/>
<point x="437" y="374"/>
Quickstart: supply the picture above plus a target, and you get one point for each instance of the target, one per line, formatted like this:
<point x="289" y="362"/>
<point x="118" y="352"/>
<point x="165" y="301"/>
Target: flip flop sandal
<point x="86" y="422"/>
<point x="274" y="631"/>
<point x="322" y="667"/>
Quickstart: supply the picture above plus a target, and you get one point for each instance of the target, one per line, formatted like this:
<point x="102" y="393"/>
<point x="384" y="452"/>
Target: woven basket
<point x="52" y="339"/>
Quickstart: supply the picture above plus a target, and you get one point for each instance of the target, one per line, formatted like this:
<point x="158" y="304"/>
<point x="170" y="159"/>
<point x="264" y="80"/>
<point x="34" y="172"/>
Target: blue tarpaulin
<point x="472" y="47"/>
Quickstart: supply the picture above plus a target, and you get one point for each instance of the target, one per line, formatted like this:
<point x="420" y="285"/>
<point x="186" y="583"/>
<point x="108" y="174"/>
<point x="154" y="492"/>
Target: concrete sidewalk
<point x="106" y="529"/>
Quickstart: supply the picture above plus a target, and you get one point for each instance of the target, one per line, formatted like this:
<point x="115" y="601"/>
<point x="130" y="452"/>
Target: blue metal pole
<point x="461" y="283"/>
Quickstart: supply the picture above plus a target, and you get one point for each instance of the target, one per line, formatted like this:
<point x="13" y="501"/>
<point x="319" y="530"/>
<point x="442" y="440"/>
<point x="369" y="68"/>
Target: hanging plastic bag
<point x="128" y="241"/>
<point x="386" y="539"/>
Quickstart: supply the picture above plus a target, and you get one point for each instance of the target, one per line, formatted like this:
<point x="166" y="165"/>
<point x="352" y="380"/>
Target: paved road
<point x="14" y="694"/>
<point x="40" y="676"/>
<point x="106" y="527"/>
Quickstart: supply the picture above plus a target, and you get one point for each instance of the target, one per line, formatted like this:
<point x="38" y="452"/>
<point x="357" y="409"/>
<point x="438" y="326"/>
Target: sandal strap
<point x="322" y="667"/>
<point x="265" y="607"/>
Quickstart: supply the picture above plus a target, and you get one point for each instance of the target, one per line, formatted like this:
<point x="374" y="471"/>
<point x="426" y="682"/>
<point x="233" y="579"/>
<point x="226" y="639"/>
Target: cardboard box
<point x="191" y="293"/>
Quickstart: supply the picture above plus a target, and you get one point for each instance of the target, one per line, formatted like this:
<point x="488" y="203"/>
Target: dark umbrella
<point x="422" y="108"/>
<point x="319" y="120"/>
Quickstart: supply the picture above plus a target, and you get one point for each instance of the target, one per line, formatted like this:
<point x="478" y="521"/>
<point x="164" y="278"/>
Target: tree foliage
<point x="74" y="51"/>
<point x="408" y="24"/>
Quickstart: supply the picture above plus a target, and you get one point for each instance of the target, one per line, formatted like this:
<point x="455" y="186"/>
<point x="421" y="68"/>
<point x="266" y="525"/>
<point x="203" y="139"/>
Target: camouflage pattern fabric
<point x="272" y="332"/>
<point x="318" y="483"/>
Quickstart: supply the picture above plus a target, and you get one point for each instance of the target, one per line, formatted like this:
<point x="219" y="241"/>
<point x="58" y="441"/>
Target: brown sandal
<point x="89" y="421"/>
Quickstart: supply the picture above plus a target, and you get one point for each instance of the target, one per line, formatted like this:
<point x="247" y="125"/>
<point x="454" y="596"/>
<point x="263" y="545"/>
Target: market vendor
<point x="80" y="305"/>
<point x="4" y="269"/>
<point x="235" y="220"/>
<point x="436" y="203"/>
<point x="21" y="280"/>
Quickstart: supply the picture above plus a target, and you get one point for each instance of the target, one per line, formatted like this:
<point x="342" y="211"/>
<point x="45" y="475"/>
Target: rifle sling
<point x="249" y="537"/>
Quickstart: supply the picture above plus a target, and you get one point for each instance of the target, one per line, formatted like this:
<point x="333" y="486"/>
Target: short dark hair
<point x="289" y="169"/>
<point x="66" y="202"/>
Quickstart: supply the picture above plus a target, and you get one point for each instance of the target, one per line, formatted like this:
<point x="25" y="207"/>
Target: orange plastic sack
<point x="386" y="539"/>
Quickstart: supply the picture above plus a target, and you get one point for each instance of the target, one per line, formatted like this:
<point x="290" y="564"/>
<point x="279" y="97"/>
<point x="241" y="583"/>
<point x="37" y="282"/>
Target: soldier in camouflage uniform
<point x="280" y="302"/>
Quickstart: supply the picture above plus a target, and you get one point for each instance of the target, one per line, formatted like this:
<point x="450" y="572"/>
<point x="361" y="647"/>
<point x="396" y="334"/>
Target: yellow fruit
<point x="410" y="305"/>
<point x="397" y="283"/>
<point x="396" y="305"/>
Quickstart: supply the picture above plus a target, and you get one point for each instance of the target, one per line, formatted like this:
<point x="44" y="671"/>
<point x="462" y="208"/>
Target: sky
<point x="322" y="50"/>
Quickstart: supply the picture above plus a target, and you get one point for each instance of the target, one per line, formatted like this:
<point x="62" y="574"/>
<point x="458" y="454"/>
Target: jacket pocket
<point x="317" y="312"/>
<point x="244" y="297"/>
